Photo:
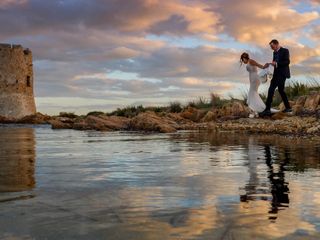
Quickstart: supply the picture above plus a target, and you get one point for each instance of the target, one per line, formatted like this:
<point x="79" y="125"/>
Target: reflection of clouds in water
<point x="17" y="159"/>
<point x="168" y="218"/>
<point x="187" y="188"/>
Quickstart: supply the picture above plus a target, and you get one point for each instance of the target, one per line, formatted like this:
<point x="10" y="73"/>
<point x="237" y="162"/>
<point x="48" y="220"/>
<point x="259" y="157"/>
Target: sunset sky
<point x="103" y="54"/>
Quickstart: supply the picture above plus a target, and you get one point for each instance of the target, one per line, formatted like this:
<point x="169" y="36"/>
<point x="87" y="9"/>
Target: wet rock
<point x="180" y="122"/>
<point x="113" y="122"/>
<point x="101" y="123"/>
<point x="312" y="101"/>
<point x="6" y="120"/>
<point x="66" y="119"/>
<point x="149" y="121"/>
<point x="57" y="124"/>
<point x="37" y="118"/>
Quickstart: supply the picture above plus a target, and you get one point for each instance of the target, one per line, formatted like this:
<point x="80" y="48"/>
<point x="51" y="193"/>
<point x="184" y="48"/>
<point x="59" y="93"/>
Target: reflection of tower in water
<point x="17" y="159"/>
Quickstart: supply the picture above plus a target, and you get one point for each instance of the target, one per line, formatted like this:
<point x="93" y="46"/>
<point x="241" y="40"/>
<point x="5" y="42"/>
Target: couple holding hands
<point x="280" y="62"/>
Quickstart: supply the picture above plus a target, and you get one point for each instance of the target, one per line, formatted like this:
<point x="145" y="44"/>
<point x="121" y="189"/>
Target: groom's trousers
<point x="278" y="81"/>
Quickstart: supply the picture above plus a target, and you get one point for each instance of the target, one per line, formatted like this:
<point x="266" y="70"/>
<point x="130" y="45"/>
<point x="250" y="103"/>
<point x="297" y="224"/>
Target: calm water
<point x="64" y="184"/>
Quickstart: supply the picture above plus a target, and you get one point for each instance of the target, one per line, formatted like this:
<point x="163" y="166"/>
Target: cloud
<point x="260" y="21"/>
<point x="136" y="16"/>
<point x="10" y="3"/>
<point x="162" y="50"/>
<point x="171" y="62"/>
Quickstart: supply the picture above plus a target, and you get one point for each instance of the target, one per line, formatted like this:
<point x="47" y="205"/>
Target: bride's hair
<point x="244" y="56"/>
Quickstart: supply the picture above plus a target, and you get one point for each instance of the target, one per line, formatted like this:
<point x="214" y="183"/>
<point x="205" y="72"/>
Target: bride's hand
<point x="266" y="65"/>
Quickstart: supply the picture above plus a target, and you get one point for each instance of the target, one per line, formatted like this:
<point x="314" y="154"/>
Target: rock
<point x="301" y="100"/>
<point x="112" y="122"/>
<point x="57" y="124"/>
<point x="232" y="111"/>
<point x="315" y="129"/>
<point x="297" y="109"/>
<point x="210" y="116"/>
<point x="101" y="123"/>
<point x="317" y="112"/>
<point x="312" y="101"/>
<point x="91" y="124"/>
<point x="224" y="111"/>
<point x="37" y="118"/>
<point x="287" y="125"/>
<point x="149" y="121"/>
<point x="81" y="124"/>
<point x="6" y="120"/>
<point x="180" y="122"/>
<point x="282" y="107"/>
<point x="193" y="114"/>
<point x="279" y="115"/>
<point x="177" y="117"/>
<point x="239" y="109"/>
<point x="65" y="119"/>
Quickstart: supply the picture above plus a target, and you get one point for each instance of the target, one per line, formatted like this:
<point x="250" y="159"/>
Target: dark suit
<point x="280" y="74"/>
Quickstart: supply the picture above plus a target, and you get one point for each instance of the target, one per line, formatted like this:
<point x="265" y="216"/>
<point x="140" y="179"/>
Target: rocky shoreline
<point x="305" y="120"/>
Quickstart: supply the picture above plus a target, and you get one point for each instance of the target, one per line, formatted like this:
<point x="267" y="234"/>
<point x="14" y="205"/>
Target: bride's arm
<point x="254" y="63"/>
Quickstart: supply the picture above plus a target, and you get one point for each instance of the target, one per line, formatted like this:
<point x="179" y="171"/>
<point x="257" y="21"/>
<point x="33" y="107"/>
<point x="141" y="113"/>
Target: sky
<point x="104" y="54"/>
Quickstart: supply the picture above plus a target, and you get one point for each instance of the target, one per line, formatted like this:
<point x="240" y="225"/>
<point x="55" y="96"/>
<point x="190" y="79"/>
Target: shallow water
<point x="65" y="184"/>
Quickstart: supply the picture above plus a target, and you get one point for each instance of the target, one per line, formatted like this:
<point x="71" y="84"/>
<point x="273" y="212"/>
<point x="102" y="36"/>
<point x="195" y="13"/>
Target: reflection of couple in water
<point x="279" y="187"/>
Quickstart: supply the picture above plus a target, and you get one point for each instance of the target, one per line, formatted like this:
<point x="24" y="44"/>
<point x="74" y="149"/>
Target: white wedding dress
<point x="254" y="100"/>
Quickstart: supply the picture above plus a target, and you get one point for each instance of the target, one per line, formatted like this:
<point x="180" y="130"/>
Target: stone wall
<point x="16" y="81"/>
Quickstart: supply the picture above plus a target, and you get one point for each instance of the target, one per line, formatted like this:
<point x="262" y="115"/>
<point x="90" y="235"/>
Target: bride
<point x="254" y="100"/>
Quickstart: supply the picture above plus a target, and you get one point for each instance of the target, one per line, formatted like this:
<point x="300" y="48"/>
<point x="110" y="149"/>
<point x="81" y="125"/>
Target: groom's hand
<point x="274" y="63"/>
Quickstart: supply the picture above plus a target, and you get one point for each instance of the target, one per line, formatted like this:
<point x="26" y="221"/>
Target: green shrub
<point x="130" y="111"/>
<point x="294" y="91"/>
<point x="200" y="103"/>
<point x="175" y="107"/>
<point x="67" y="114"/>
<point x="95" y="113"/>
<point x="217" y="102"/>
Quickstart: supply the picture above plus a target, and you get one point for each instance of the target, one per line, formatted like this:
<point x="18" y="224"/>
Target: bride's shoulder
<point x="252" y="61"/>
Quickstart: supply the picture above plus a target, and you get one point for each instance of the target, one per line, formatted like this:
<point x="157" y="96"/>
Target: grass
<point x="95" y="113"/>
<point x="294" y="90"/>
<point x="129" y="111"/>
<point x="67" y="114"/>
<point x="200" y="103"/>
<point x="215" y="101"/>
<point x="175" y="107"/>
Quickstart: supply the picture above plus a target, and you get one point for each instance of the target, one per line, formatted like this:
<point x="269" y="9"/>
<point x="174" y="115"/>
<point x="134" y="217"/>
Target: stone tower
<point x="16" y="82"/>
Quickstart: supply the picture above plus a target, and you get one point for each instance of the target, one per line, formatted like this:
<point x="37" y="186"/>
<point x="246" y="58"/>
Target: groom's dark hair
<point x="274" y="41"/>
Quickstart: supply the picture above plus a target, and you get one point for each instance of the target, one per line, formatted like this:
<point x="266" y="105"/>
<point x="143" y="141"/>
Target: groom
<point x="280" y="62"/>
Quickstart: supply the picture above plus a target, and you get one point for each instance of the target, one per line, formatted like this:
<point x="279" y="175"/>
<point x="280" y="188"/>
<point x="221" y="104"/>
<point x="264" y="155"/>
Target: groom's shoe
<point x="265" y="113"/>
<point x="287" y="110"/>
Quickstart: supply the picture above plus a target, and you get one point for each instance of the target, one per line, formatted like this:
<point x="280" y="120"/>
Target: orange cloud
<point x="260" y="21"/>
<point x="7" y="3"/>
